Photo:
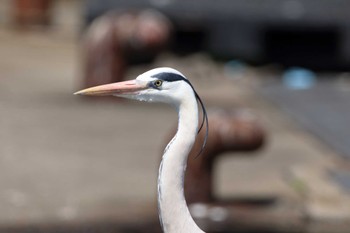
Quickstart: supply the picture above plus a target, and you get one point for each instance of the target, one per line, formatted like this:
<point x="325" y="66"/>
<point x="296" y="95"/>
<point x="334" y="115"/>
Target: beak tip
<point x="81" y="92"/>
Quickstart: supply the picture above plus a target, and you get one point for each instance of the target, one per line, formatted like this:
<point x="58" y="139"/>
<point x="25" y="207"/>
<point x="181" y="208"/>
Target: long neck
<point x="173" y="212"/>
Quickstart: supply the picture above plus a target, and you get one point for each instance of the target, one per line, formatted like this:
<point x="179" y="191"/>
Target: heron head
<point x="164" y="84"/>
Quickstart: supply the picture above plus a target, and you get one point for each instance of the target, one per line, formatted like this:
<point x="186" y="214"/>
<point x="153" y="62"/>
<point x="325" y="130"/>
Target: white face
<point x="162" y="87"/>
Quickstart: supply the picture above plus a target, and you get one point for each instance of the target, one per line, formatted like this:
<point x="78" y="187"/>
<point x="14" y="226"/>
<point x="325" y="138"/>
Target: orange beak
<point x="119" y="88"/>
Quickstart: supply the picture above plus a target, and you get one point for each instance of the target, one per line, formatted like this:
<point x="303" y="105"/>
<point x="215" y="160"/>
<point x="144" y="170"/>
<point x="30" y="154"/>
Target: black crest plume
<point x="204" y="121"/>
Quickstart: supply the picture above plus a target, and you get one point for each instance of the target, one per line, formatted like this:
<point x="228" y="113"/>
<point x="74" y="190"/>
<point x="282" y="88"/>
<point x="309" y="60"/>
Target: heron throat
<point x="173" y="211"/>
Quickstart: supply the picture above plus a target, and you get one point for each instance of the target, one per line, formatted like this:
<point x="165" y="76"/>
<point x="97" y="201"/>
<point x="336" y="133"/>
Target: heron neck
<point x="173" y="211"/>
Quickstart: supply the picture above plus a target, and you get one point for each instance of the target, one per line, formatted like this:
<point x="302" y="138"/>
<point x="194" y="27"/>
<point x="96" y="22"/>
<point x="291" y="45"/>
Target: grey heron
<point x="167" y="85"/>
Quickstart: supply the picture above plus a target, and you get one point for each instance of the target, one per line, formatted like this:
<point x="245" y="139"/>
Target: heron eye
<point x="158" y="83"/>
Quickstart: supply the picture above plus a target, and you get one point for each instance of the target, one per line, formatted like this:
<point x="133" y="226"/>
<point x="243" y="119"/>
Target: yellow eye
<point x="158" y="83"/>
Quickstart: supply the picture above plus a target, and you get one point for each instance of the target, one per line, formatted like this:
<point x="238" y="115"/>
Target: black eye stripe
<point x="169" y="77"/>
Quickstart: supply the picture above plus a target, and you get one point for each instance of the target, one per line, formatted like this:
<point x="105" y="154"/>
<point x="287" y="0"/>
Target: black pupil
<point x="158" y="83"/>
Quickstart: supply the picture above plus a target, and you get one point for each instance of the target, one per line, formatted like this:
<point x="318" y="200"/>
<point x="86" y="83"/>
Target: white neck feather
<point x="173" y="211"/>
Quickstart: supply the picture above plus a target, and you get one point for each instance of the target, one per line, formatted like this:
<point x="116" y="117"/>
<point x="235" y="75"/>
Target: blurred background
<point x="273" y="75"/>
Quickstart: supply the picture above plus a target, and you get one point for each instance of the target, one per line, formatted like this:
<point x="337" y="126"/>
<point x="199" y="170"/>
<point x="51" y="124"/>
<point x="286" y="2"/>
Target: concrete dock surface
<point x="67" y="159"/>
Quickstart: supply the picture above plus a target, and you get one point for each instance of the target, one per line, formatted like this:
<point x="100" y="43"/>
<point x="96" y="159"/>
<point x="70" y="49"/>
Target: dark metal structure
<point x="314" y="34"/>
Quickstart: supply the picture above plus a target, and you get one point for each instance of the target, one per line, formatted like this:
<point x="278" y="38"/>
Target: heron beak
<point x="119" y="88"/>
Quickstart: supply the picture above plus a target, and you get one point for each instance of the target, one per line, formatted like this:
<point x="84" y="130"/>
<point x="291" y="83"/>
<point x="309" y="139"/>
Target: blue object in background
<point x="299" y="78"/>
<point x="235" y="69"/>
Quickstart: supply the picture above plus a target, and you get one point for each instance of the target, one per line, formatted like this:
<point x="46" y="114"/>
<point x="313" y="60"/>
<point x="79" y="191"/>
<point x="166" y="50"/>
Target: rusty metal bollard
<point x="31" y="12"/>
<point x="117" y="38"/>
<point x="229" y="131"/>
